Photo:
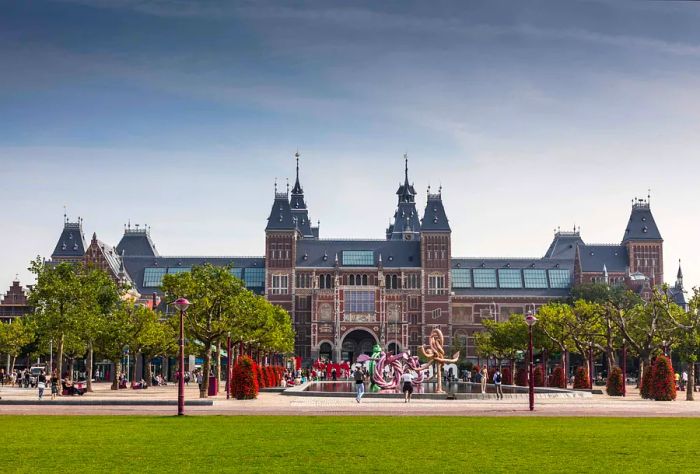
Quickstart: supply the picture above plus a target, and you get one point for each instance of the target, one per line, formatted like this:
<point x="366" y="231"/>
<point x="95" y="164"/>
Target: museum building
<point x="345" y="295"/>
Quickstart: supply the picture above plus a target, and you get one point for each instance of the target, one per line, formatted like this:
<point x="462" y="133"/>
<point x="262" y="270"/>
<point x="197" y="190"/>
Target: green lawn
<point x="347" y="444"/>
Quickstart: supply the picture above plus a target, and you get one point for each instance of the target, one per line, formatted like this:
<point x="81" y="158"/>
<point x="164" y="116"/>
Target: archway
<point x="356" y="342"/>
<point x="393" y="348"/>
<point x="326" y="351"/>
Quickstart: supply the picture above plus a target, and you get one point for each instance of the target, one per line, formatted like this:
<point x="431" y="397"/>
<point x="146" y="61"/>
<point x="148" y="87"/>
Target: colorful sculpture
<point x="386" y="370"/>
<point x="436" y="353"/>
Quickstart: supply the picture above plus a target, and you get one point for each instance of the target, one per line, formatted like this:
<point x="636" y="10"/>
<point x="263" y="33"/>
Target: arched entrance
<point x="393" y="348"/>
<point x="325" y="351"/>
<point x="356" y="342"/>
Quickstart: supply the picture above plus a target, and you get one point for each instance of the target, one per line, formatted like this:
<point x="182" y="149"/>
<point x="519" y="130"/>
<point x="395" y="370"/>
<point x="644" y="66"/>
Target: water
<point x="426" y="387"/>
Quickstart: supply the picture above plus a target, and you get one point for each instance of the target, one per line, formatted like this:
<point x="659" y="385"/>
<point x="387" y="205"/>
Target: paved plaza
<point x="277" y="404"/>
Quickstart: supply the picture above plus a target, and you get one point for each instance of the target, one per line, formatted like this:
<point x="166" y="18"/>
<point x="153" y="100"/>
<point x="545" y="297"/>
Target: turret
<point x="71" y="244"/>
<point x="644" y="243"/>
<point x="406" y="224"/>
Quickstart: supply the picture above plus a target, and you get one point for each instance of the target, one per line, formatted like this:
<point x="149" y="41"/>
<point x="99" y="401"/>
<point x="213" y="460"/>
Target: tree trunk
<point x="12" y="367"/>
<point x="203" y="392"/>
<point x="115" y="374"/>
<point x="644" y="365"/>
<point x="133" y="373"/>
<point x="59" y="357"/>
<point x="88" y="369"/>
<point x="165" y="368"/>
<point x="690" y="388"/>
<point x="149" y="372"/>
<point x="612" y="360"/>
<point x="71" y="368"/>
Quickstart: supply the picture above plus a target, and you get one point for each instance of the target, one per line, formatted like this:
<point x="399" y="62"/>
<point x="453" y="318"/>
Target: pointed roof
<point x="71" y="243"/>
<point x="137" y="241"/>
<point x="564" y="244"/>
<point x="281" y="213"/>
<point x="434" y="217"/>
<point x="298" y="206"/>
<point x="406" y="223"/>
<point x="406" y="191"/>
<point x="641" y="224"/>
<point x="679" y="275"/>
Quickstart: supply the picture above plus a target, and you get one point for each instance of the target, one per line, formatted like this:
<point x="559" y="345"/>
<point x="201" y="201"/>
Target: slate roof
<point x="594" y="256"/>
<point x="434" y="217"/>
<point x="394" y="253"/>
<point x="136" y="242"/>
<point x="677" y="295"/>
<point x="281" y="214"/>
<point x="71" y="243"/>
<point x="405" y="220"/>
<point x="564" y="245"/>
<point x="641" y="224"/>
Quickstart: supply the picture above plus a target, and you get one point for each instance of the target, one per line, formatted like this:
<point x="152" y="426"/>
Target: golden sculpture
<point x="436" y="353"/>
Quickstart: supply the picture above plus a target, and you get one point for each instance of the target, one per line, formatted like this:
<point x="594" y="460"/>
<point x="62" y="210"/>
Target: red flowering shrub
<point x="245" y="379"/>
<point x="581" y="378"/>
<point x="663" y="384"/>
<point x="521" y="377"/>
<point x="645" y="389"/>
<point x="270" y="375"/>
<point x="614" y="384"/>
<point x="539" y="376"/>
<point x="507" y="376"/>
<point x="558" y="378"/>
<point x="262" y="383"/>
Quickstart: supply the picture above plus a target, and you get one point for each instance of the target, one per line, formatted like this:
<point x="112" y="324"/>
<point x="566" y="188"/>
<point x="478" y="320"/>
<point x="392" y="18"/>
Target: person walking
<point x="484" y="378"/>
<point x="497" y="379"/>
<point x="54" y="385"/>
<point x="41" y="384"/>
<point x="684" y="380"/>
<point x="359" y="377"/>
<point x="407" y="386"/>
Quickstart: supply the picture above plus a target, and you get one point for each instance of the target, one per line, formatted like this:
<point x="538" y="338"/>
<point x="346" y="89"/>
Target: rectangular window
<point x="559" y="279"/>
<point x="412" y="281"/>
<point x="279" y="284"/>
<point x="437" y="312"/>
<point x="461" y="278"/>
<point x="509" y="278"/>
<point x="237" y="272"/>
<point x="303" y="280"/>
<point x="254" y="277"/>
<point x="485" y="278"/>
<point x="359" y="301"/>
<point x="412" y="302"/>
<point x="174" y="270"/>
<point x="358" y="258"/>
<point x="436" y="284"/>
<point x="153" y="277"/>
<point x="535" y="278"/>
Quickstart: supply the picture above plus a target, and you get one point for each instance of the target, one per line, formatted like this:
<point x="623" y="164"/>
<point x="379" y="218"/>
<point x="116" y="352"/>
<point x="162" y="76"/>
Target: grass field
<point x="347" y="444"/>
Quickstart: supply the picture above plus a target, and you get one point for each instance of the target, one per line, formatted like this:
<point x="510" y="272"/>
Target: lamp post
<point x="181" y="304"/>
<point x="530" y="319"/>
<point x="228" y="366"/>
<point x="590" y="365"/>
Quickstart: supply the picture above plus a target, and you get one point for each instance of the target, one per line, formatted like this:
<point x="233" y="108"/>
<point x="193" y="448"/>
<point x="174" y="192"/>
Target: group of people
<point x="18" y="378"/>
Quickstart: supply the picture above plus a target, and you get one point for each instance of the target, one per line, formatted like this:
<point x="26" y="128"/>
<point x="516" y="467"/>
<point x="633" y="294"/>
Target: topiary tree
<point x="614" y="383"/>
<point x="645" y="389"/>
<point x="558" y="378"/>
<point x="245" y="379"/>
<point x="539" y="376"/>
<point x="521" y="377"/>
<point x="663" y="384"/>
<point x="581" y="378"/>
<point x="262" y="383"/>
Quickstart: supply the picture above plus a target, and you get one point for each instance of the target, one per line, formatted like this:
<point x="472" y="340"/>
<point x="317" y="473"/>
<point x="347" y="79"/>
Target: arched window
<point x="352" y="280"/>
<point x="364" y="280"/>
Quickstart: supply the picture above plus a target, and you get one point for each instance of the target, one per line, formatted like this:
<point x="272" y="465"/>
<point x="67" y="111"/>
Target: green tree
<point x="687" y="329"/>
<point x="56" y="299"/>
<point x="14" y="336"/>
<point x="555" y="322"/>
<point x="219" y="304"/>
<point x="113" y="332"/>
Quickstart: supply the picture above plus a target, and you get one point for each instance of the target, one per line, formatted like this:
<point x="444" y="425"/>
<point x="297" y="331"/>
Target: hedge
<point x="581" y="378"/>
<point x="245" y="379"/>
<point x="614" y="383"/>
<point x="663" y="384"/>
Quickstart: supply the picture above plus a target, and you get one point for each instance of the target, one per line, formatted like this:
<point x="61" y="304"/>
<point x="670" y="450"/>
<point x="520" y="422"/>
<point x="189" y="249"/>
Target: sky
<point x="181" y="115"/>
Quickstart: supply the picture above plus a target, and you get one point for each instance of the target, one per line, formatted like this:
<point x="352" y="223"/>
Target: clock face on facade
<point x="407" y="237"/>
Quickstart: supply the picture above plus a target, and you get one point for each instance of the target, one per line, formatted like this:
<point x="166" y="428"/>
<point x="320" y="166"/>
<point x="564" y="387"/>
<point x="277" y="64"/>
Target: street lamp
<point x="530" y="319"/>
<point x="624" y="368"/>
<point x="181" y="304"/>
<point x="228" y="366"/>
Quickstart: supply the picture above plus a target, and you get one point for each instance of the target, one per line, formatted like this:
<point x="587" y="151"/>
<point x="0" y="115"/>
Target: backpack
<point x="497" y="378"/>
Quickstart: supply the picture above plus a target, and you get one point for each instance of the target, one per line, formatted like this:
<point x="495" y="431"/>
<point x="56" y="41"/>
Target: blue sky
<point x="532" y="115"/>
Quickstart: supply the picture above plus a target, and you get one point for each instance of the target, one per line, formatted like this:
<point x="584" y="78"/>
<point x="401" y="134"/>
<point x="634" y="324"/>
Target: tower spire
<point x="405" y="157"/>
